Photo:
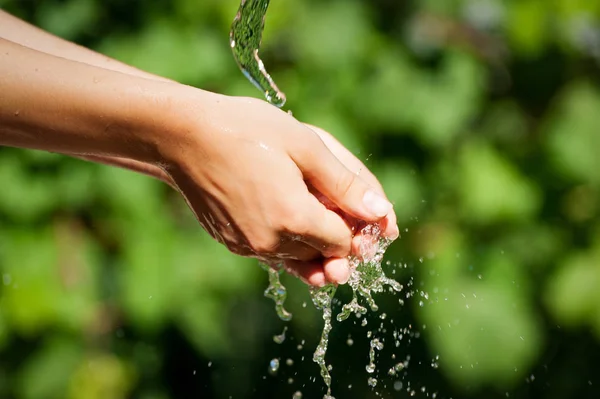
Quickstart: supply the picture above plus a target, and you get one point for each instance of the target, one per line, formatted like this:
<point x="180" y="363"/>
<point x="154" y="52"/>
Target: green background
<point x="480" y="118"/>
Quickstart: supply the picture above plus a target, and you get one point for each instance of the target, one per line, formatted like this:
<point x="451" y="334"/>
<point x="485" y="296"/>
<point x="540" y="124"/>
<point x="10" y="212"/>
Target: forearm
<point x="54" y="104"/>
<point x="19" y="31"/>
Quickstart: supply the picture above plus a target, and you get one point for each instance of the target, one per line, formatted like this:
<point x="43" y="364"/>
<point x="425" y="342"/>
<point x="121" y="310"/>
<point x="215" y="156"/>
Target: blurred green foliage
<point x="480" y="117"/>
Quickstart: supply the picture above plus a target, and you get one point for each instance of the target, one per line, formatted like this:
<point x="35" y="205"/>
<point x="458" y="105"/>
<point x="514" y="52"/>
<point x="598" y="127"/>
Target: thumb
<point x="347" y="190"/>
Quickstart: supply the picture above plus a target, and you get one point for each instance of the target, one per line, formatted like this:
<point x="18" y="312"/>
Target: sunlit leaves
<point x="46" y="373"/>
<point x="573" y="140"/>
<point x="492" y="189"/>
<point x="572" y="291"/>
<point x="528" y="26"/>
<point x="101" y="375"/>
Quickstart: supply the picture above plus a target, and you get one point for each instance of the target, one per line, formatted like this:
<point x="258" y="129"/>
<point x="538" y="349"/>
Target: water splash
<point x="245" y="39"/>
<point x="375" y="345"/>
<point x="277" y="292"/>
<point x="366" y="278"/>
<point x="322" y="298"/>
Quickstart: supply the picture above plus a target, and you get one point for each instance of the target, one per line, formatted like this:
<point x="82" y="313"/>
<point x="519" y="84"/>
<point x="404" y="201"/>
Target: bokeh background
<point x="481" y="119"/>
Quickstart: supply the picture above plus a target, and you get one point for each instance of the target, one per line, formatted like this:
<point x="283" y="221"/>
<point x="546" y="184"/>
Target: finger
<point x="330" y="177"/>
<point x="311" y="273"/>
<point x="389" y="225"/>
<point x="337" y="270"/>
<point x="297" y="250"/>
<point x="328" y="231"/>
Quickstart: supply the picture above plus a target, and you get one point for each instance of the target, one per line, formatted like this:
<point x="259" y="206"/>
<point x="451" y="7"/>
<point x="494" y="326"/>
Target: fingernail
<point x="376" y="204"/>
<point x="345" y="279"/>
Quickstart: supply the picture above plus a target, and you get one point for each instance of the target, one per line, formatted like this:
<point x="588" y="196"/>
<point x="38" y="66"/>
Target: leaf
<point x="528" y="27"/>
<point x="402" y="187"/>
<point x="484" y="334"/>
<point x="492" y="189"/>
<point x="46" y="374"/>
<point x="572" y="291"/>
<point x="31" y="302"/>
<point x="573" y="138"/>
<point x="100" y="376"/>
<point x="68" y="20"/>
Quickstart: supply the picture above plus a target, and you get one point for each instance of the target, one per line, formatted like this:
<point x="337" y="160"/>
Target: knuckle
<point x="265" y="245"/>
<point x="345" y="183"/>
<point x="296" y="223"/>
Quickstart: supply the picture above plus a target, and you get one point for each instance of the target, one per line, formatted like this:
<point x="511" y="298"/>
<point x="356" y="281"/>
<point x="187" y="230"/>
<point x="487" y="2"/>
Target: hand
<point x="245" y="168"/>
<point x="337" y="269"/>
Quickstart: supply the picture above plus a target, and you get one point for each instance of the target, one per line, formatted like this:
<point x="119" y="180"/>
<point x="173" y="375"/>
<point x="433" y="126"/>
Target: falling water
<point x="367" y="276"/>
<point x="245" y="40"/>
<point x="322" y="298"/>
<point x="277" y="292"/>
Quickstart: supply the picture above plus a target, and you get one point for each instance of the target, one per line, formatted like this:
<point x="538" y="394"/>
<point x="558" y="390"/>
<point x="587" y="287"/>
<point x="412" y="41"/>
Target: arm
<point x="19" y="31"/>
<point x="242" y="165"/>
<point x="58" y="105"/>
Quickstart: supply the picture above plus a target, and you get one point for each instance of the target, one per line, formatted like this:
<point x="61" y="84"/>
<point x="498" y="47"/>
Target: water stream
<point x="367" y="276"/>
<point x="245" y="40"/>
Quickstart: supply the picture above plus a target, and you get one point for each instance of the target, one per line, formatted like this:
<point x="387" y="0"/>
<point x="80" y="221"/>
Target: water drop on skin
<point x="245" y="40"/>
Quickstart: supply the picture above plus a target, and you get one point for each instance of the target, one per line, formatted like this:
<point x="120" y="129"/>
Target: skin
<point x="258" y="181"/>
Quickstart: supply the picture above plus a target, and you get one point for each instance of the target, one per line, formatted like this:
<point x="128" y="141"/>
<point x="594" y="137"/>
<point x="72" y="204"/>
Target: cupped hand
<point x="245" y="169"/>
<point x="337" y="269"/>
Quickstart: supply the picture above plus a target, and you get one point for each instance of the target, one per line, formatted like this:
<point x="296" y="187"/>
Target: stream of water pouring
<point x="367" y="276"/>
<point x="245" y="40"/>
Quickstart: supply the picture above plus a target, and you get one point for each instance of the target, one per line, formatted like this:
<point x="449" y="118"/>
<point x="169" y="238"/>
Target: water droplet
<point x="279" y="339"/>
<point x="277" y="292"/>
<point x="297" y="395"/>
<point x="372" y="382"/>
<point x="273" y="366"/>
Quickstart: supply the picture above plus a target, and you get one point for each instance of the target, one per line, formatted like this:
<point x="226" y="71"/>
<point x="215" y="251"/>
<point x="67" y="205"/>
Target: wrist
<point x="179" y="124"/>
